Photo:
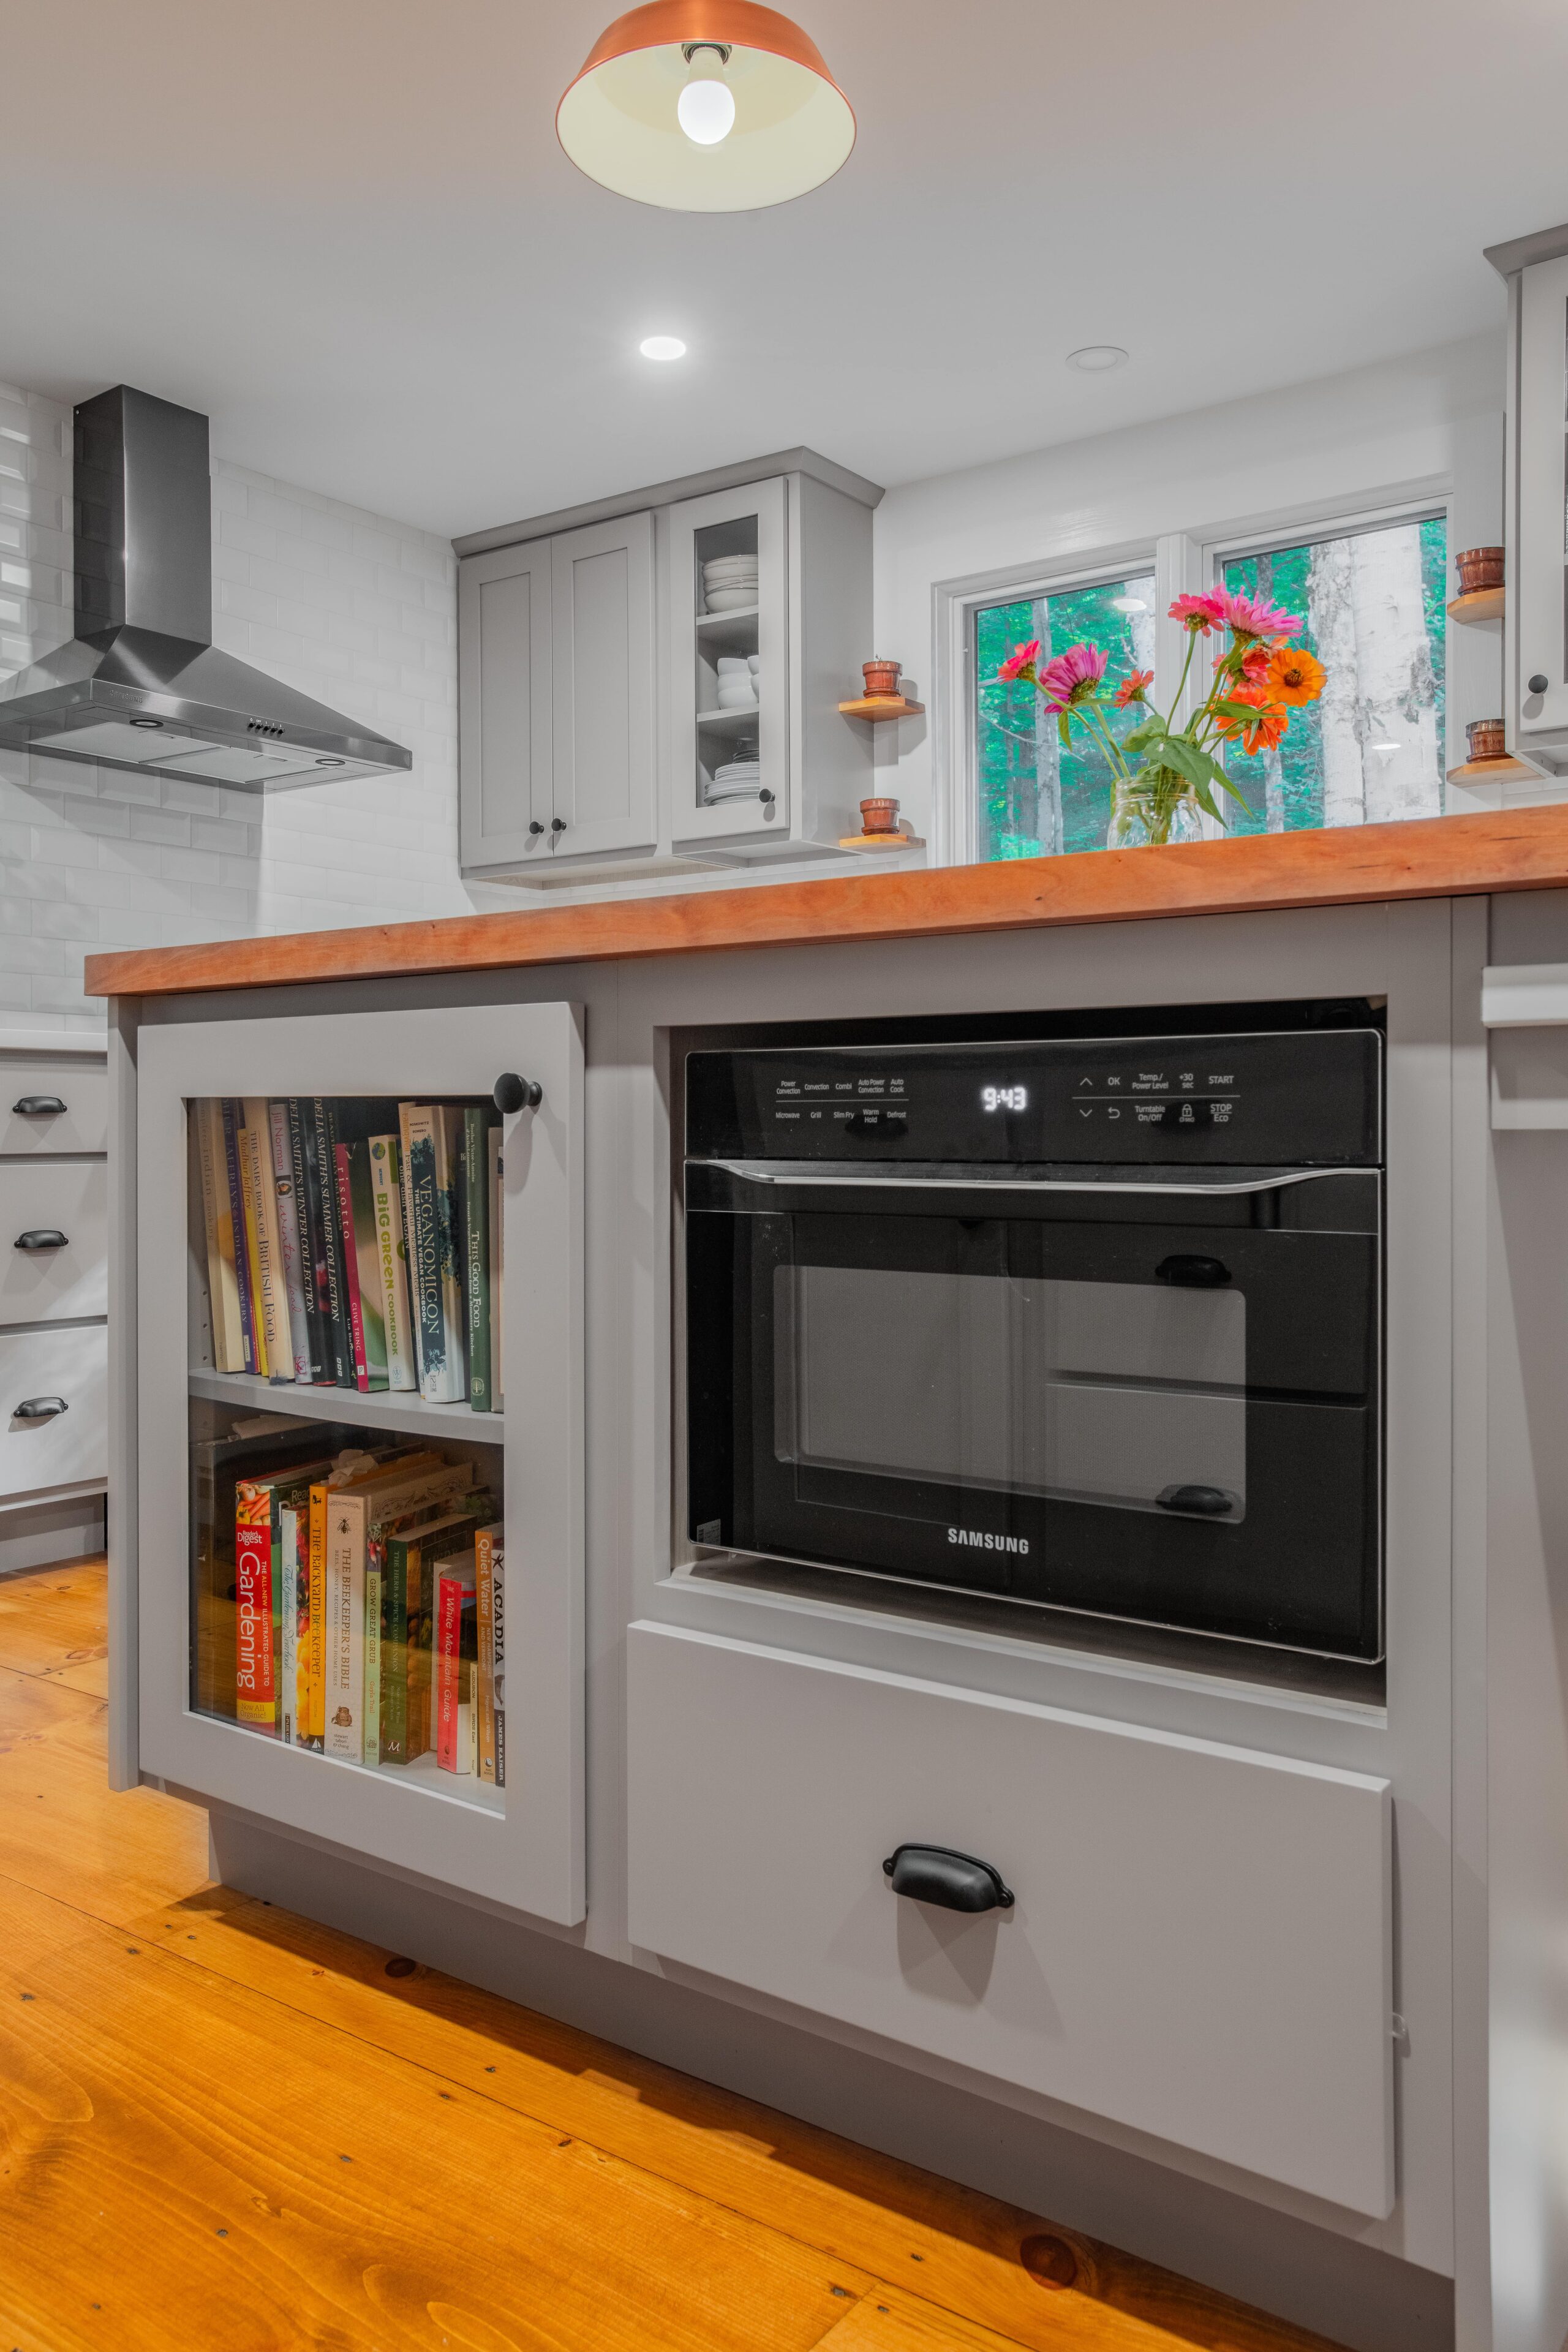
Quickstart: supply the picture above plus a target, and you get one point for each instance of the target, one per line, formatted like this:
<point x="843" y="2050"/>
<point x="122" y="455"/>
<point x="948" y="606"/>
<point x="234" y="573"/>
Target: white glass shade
<point x="620" y="122"/>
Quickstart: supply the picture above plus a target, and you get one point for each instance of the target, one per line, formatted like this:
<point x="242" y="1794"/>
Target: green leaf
<point x="1148" y="731"/>
<point x="1185" y="757"/>
<point x="1064" y="731"/>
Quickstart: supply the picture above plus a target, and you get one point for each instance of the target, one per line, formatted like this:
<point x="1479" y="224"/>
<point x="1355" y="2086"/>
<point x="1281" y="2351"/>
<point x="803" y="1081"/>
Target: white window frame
<point x="1182" y="561"/>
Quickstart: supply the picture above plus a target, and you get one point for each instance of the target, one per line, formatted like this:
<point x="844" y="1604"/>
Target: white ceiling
<point x="344" y="229"/>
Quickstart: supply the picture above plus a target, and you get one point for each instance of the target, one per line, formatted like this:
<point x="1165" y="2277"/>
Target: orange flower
<point x="1261" y="732"/>
<point x="1295" y="675"/>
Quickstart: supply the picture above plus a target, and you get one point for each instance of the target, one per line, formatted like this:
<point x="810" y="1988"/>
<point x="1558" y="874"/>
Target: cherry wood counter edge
<point x="1432" y="858"/>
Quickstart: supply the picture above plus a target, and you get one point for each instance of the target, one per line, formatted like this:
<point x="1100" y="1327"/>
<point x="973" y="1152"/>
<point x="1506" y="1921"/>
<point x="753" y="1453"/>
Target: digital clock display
<point x="1004" y="1097"/>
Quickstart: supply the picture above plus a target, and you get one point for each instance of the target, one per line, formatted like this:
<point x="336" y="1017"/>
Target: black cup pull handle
<point x="39" y="1237"/>
<point x="937" y="1873"/>
<point x="40" y="1409"/>
<point x="39" y="1106"/>
<point x="512" y="1093"/>
<point x="1193" y="1272"/>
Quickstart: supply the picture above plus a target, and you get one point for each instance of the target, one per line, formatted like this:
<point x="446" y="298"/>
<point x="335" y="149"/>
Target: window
<point x="1037" y="797"/>
<point x="1372" y="747"/>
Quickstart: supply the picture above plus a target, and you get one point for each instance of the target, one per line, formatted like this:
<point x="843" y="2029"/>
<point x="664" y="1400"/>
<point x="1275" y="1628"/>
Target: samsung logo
<point x="987" y="1543"/>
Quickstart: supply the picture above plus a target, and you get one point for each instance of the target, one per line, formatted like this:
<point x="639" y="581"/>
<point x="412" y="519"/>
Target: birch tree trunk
<point x="1273" y="765"/>
<point x="1330" y="608"/>
<point x="1397" y="692"/>
<point x="1048" y="750"/>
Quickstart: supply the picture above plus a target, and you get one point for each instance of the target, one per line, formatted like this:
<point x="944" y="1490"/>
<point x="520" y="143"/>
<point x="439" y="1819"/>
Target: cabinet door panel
<point x="1199" y="1941"/>
<point x="1539" y="587"/>
<point x="704" y="735"/>
<point x="602" y="598"/>
<point x="506" y="741"/>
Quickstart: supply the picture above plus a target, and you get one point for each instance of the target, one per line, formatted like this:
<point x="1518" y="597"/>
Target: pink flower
<point x="1134" y="687"/>
<point x="1072" y="678"/>
<point x="1020" y="662"/>
<point x="1198" y="614"/>
<point x="1250" y="618"/>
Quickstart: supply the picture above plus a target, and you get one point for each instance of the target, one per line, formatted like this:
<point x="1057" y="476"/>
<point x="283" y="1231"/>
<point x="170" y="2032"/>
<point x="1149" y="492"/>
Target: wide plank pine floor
<point x="224" y="2126"/>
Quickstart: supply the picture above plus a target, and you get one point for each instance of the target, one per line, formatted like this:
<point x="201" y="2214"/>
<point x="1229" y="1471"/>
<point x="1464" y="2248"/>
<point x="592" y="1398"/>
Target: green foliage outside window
<point x="1038" y="798"/>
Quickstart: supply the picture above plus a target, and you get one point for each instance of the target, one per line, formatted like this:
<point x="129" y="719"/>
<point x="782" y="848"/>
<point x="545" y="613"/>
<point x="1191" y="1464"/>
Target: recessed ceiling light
<point x="1097" y="358"/>
<point x="1130" y="603"/>
<point x="146" y="722"/>
<point x="662" y="347"/>
<point x="712" y="108"/>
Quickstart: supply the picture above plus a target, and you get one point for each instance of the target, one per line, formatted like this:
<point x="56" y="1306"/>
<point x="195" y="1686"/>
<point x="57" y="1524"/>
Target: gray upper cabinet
<point x="555" y="696"/>
<point x="602" y="604"/>
<point x="504" y="697"/>
<point x="599" y="654"/>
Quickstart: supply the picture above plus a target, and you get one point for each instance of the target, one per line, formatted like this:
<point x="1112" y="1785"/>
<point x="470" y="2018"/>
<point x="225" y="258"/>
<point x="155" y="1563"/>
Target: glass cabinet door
<point x="360" y="1537"/>
<point x="729" y="643"/>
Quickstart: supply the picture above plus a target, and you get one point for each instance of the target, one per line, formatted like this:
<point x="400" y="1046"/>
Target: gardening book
<point x="266" y="1267"/>
<point x="288" y="1238"/>
<point x="223" y="1285"/>
<point x="490" y="1574"/>
<point x="392" y="1260"/>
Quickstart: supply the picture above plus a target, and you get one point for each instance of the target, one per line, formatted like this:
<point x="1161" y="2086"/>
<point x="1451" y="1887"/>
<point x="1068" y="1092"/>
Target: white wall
<point x="1298" y="454"/>
<point x="357" y="611"/>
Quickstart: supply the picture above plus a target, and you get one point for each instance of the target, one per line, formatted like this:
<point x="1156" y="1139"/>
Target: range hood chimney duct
<point x="141" y="684"/>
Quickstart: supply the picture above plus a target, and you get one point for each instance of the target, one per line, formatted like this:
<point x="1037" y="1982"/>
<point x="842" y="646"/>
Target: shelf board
<point x="715" y="625"/>
<point x="731" y="722"/>
<point x="879" y="841"/>
<point x="1480" y="604"/>
<point x="1492" y="772"/>
<point x="881" y="705"/>
<point x="383" y="1409"/>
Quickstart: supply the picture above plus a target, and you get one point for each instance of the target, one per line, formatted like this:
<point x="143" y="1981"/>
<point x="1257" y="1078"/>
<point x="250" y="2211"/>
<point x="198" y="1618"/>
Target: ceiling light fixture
<point x="706" y="105"/>
<point x="662" y="347"/>
<point x="1097" y="358"/>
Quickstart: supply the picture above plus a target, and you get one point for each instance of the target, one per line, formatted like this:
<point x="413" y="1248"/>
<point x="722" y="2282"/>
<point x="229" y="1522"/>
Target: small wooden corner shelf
<point x="1492" y="772"/>
<point x="880" y="841"/>
<point x="1481" y="604"/>
<point x="881" y="705"/>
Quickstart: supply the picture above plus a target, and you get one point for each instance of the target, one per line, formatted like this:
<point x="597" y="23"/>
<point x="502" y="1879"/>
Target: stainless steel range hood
<point x="141" y="684"/>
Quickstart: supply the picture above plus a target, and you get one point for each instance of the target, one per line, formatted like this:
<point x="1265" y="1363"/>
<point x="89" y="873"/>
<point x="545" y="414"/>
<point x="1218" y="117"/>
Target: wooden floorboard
<point x="226" y="2125"/>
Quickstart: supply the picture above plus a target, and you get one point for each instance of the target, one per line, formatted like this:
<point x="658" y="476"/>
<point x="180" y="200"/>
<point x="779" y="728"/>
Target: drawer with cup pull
<point x="1188" y="1938"/>
<point x="54" y="1415"/>
<point x="54" y="1239"/>
<point x="52" y="1103"/>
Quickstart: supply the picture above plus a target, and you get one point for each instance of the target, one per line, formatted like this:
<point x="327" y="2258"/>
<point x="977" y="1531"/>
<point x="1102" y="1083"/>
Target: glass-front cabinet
<point x="360" y="1433"/>
<point x="729" y="598"/>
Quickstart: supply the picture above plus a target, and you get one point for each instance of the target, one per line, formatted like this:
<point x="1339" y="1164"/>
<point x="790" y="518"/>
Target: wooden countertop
<point x="1436" y="857"/>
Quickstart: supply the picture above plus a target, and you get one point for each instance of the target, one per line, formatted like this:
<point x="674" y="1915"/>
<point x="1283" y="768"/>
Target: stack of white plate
<point x="737" y="780"/>
<point x="738" y="688"/>
<point x="730" y="583"/>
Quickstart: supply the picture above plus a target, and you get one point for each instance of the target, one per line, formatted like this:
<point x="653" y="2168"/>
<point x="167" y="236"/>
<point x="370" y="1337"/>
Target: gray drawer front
<point x="67" y="1196"/>
<point x="79" y="1080"/>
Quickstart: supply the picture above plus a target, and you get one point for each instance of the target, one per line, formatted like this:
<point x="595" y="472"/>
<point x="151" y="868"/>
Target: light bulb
<point x="706" y="107"/>
<point x="662" y="347"/>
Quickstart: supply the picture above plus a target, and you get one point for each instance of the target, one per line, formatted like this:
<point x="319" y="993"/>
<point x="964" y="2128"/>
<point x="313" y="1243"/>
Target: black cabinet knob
<point x="536" y="826"/>
<point x="1192" y="1273"/>
<point x="512" y="1093"/>
<point x="766" y="798"/>
<point x="937" y="1873"/>
<point x="39" y="1106"/>
<point x="39" y="1237"/>
<point x="1538" y="683"/>
<point x="557" y="825"/>
<point x="39" y="1409"/>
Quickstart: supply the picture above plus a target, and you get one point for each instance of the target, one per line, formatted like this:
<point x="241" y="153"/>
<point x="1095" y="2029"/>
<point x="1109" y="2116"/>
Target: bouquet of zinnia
<point x="1163" y="775"/>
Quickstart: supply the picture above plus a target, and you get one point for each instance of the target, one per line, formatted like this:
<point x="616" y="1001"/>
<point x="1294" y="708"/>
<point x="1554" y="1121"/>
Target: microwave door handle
<point x="841" y="1179"/>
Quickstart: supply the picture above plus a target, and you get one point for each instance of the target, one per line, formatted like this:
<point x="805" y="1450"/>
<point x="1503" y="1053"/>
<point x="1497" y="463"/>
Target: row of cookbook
<point x="369" y="1618"/>
<point x="355" y="1242"/>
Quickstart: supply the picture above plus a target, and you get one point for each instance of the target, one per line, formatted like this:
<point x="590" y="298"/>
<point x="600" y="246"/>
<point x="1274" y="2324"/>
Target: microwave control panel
<point x="1295" y="1099"/>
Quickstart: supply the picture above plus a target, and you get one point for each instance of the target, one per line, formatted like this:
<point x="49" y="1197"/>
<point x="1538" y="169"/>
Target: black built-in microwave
<point x="1091" y="1324"/>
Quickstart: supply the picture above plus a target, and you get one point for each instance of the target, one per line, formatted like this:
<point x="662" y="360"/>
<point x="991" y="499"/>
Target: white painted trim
<point x="53" y="1041"/>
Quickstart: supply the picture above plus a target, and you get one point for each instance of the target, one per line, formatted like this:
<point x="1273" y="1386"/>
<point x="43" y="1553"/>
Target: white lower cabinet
<point x="54" y="1239"/>
<point x="1200" y="1942"/>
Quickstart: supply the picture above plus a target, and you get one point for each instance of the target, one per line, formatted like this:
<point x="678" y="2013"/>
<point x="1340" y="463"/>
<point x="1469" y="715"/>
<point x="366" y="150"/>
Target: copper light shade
<point x="619" y="121"/>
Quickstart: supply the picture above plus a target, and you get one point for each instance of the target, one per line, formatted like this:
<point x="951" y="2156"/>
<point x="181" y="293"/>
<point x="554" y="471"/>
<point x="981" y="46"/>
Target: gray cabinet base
<point x="1353" y="2294"/>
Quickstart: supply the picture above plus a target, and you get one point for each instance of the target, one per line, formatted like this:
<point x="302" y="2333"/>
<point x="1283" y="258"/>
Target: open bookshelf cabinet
<point x="304" y="1686"/>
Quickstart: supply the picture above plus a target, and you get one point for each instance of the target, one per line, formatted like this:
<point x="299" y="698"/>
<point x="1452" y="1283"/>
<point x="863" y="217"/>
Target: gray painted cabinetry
<point x="599" y="668"/>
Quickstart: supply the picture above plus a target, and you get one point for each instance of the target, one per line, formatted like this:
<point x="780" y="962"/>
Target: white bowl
<point x="730" y="600"/>
<point x="734" y="665"/>
<point x="718" y="565"/>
